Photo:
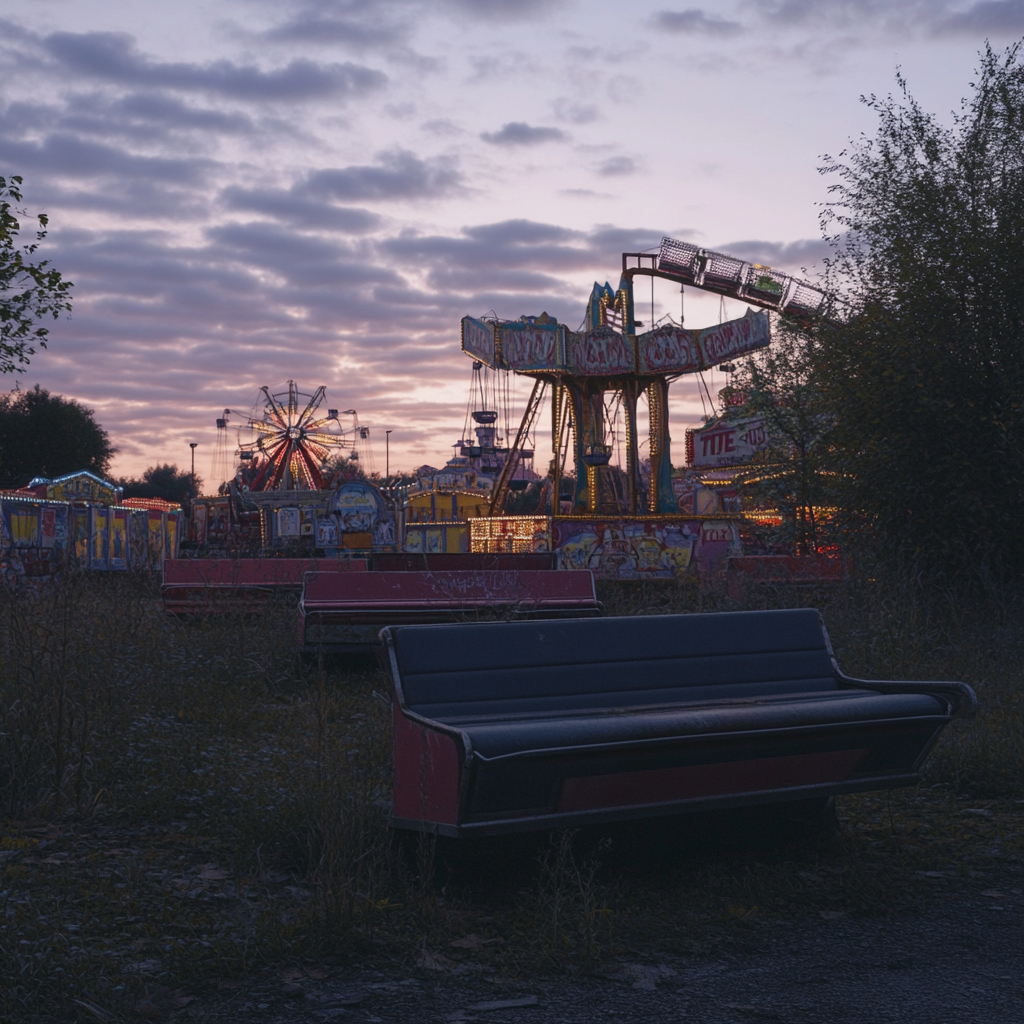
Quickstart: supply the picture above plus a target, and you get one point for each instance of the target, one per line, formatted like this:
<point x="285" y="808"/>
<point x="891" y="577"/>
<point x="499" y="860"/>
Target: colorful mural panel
<point x="81" y="486"/>
<point x="627" y="550"/>
<point x="669" y="349"/>
<point x="529" y="346"/>
<point x="99" y="530"/>
<point x="734" y="338"/>
<point x="599" y="352"/>
<point x="118" y="555"/>
<point x="478" y="339"/>
<point x="614" y="548"/>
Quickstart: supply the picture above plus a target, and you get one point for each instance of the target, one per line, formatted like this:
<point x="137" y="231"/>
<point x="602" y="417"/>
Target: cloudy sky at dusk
<point x="245" y="192"/>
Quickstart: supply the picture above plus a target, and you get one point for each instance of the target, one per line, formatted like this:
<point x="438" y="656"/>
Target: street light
<point x="387" y="454"/>
<point x="192" y="479"/>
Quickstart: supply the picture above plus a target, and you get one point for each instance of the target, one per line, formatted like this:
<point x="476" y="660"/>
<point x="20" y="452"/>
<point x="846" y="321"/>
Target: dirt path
<point x="960" y="960"/>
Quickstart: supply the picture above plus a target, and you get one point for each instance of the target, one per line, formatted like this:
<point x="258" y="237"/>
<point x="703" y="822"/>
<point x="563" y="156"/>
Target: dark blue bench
<point x="524" y="725"/>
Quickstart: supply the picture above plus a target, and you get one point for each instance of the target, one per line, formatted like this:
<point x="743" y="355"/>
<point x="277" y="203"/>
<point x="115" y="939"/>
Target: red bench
<point x="339" y="614"/>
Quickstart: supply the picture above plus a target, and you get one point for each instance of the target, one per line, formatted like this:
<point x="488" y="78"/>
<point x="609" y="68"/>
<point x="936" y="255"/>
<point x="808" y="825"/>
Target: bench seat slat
<point x="500" y="738"/>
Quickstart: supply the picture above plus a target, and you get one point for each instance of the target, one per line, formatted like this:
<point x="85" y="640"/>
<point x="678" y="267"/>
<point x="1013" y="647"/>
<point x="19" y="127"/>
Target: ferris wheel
<point x="290" y="439"/>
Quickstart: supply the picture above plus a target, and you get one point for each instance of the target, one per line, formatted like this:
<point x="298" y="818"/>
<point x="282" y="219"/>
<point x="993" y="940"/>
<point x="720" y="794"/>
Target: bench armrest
<point x="960" y="695"/>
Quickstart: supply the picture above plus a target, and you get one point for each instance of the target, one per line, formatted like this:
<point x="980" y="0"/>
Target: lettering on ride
<point x="720" y="442"/>
<point x="529" y="347"/>
<point x="714" y="533"/>
<point x="734" y="338"/>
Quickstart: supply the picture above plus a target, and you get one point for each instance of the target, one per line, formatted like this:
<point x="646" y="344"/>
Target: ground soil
<point x="958" y="959"/>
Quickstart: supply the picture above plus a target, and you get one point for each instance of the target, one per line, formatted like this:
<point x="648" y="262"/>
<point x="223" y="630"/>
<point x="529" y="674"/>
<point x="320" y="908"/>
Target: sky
<point x="246" y="192"/>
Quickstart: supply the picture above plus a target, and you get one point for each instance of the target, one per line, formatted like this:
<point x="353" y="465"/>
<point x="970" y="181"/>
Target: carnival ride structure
<point x="290" y="440"/>
<point x="602" y="371"/>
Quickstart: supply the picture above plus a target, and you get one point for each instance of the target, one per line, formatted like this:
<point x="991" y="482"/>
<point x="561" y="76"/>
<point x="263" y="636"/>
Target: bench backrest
<point x="507" y="668"/>
<point x="450" y="589"/>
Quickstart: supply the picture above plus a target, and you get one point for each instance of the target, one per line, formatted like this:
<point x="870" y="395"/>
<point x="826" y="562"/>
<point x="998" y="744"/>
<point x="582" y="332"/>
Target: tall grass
<point x="162" y="757"/>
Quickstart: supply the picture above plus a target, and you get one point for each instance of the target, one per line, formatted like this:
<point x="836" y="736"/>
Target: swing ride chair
<point x="516" y="726"/>
<point x="234" y="586"/>
<point x="344" y="613"/>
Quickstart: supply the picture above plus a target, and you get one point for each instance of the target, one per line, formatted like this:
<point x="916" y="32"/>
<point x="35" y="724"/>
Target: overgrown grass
<point x="185" y="801"/>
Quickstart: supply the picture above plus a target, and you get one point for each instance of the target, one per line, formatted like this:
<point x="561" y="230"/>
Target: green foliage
<point x="164" y="481"/>
<point x="48" y="435"/>
<point x="925" y="374"/>
<point x="29" y="291"/>
<point x="793" y="473"/>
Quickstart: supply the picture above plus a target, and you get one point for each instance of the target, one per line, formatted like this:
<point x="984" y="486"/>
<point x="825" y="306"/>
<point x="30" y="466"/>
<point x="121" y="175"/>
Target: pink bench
<point x="344" y="613"/>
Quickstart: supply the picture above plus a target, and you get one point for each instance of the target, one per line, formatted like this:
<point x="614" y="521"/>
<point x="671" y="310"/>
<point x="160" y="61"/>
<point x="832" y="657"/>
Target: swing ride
<point x="623" y="524"/>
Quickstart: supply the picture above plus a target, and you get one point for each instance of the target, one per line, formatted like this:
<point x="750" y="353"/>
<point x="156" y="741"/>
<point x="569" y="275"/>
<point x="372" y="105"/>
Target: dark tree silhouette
<point x="924" y="373"/>
<point x="164" y="481"/>
<point x="48" y="435"/>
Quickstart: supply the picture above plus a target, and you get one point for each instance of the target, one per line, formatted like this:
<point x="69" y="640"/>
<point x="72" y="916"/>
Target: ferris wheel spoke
<point x="326" y="440"/>
<point x="311" y="469"/>
<point x="275" y="410"/>
<point x="313" y="404"/>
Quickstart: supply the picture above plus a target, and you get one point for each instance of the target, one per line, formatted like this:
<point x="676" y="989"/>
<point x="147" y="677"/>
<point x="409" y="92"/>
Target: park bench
<point x="345" y="614"/>
<point x="232" y="586"/>
<point x="514" y="726"/>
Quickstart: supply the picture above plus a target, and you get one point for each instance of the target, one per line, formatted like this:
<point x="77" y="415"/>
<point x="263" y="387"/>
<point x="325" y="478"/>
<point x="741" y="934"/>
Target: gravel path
<point x="959" y="960"/>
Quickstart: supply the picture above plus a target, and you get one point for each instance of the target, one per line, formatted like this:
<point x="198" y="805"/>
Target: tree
<point x="793" y="474"/>
<point x="925" y="371"/>
<point x="29" y="291"/>
<point x="164" y="481"/>
<point x="48" y="435"/>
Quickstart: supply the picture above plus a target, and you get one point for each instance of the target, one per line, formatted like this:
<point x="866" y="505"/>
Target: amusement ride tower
<point x="609" y="358"/>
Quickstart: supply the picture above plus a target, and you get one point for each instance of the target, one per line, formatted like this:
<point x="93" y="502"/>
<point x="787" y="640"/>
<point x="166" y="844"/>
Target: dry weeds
<point x="186" y="802"/>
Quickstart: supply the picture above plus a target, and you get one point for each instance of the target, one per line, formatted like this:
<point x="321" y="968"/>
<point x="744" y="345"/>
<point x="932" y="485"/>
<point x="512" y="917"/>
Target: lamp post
<point x="193" y="445"/>
<point x="387" y="454"/>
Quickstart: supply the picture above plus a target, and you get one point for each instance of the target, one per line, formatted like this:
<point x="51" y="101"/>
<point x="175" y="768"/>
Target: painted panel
<point x="526" y="346"/>
<point x="199" y="523"/>
<point x="669" y="349"/>
<point x="326" y="532"/>
<point x="82" y="486"/>
<point x="156" y="539"/>
<point x="47" y="525"/>
<point x="627" y="550"/>
<point x="81" y="535"/>
<point x="287" y="522"/>
<point x="724" y="443"/>
<point x="118" y="557"/>
<point x="734" y="338"/>
<point x="357" y="507"/>
<point x="61" y="516"/>
<point x="171" y="547"/>
<point x="600" y="351"/>
<point x="23" y="525"/>
<point x="99" y="537"/>
<point x="478" y="340"/>
<point x="139" y="540"/>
